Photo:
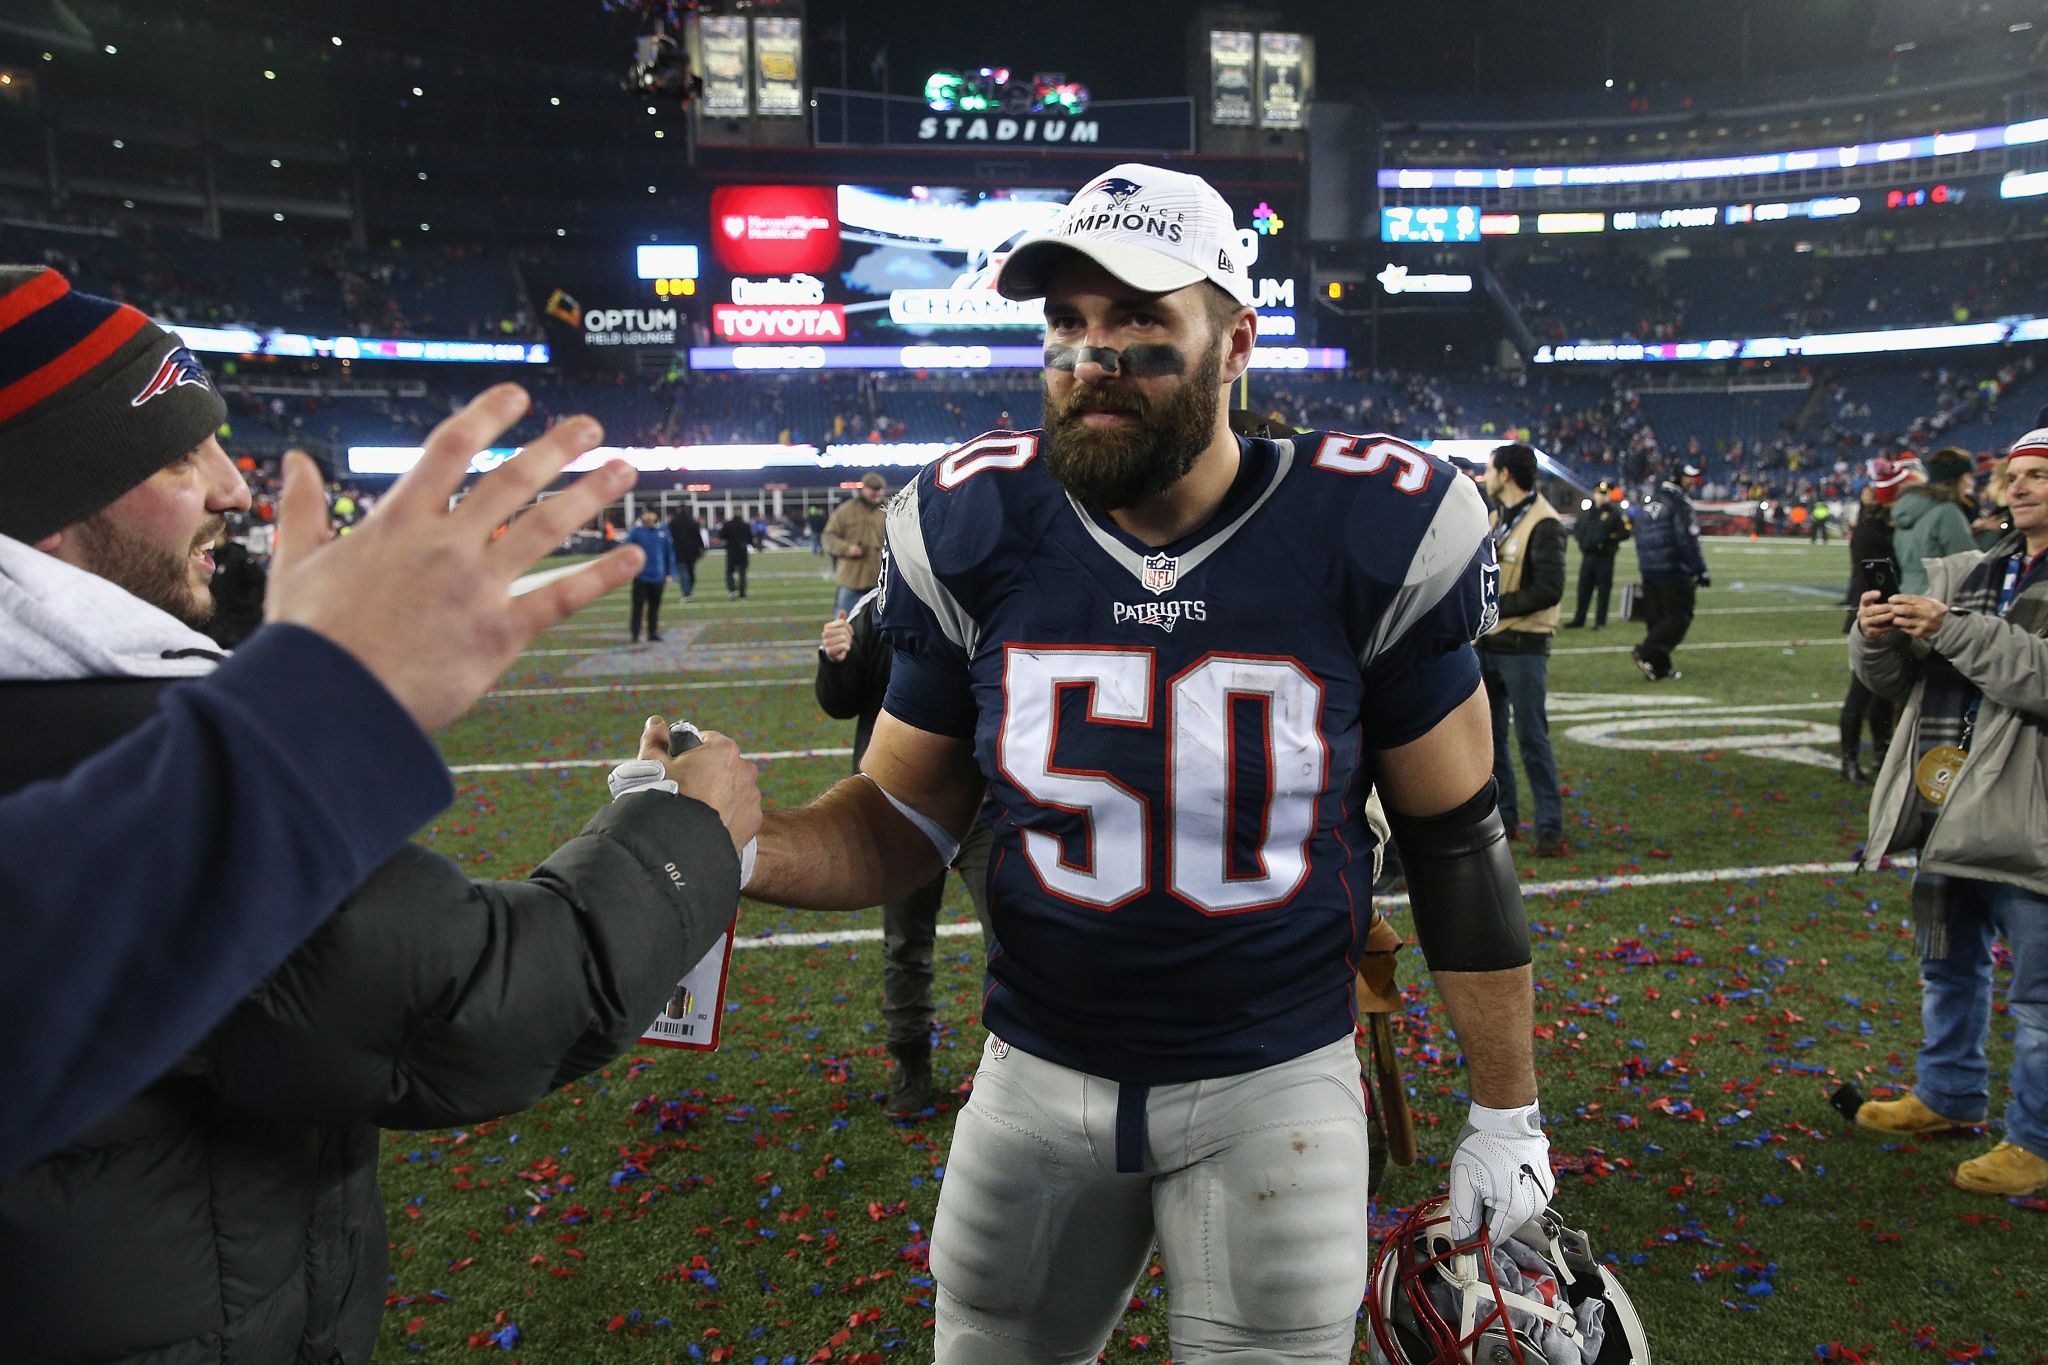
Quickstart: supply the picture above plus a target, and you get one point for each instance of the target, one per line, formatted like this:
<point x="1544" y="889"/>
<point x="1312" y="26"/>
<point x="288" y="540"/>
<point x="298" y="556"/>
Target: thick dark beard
<point x="1112" y="468"/>
<point x="160" y="577"/>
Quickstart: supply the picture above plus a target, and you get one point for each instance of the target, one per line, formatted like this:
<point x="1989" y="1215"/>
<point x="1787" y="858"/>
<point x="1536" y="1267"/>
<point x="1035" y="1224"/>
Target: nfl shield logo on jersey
<point x="1161" y="572"/>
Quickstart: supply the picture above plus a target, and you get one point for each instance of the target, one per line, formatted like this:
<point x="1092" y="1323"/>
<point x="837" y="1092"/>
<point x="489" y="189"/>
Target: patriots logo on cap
<point x="1118" y="189"/>
<point x="179" y="368"/>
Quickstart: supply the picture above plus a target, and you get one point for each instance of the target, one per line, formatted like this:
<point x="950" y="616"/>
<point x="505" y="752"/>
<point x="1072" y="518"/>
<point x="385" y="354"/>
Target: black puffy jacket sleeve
<point x="853" y="688"/>
<point x="432" y="999"/>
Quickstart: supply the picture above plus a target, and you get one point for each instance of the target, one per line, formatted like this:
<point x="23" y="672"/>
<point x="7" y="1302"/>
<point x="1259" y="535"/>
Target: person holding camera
<point x="1963" y="784"/>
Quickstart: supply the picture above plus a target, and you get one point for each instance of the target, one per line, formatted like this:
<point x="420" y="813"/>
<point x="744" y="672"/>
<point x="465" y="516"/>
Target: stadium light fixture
<point x="422" y="174"/>
<point x="269" y="75"/>
<point x="561" y="232"/>
<point x="426" y="227"/>
<point x="49" y="56"/>
<point x="417" y="91"/>
<point x="335" y="41"/>
<point x="111" y="50"/>
<point x="277" y="217"/>
<point x="555" y="100"/>
<point x="118" y="144"/>
<point x="276" y="165"/>
<point x="659" y="133"/>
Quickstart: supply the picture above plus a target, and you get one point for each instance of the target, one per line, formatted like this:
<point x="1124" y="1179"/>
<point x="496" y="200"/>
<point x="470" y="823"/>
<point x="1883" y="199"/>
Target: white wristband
<point x="1522" y="1121"/>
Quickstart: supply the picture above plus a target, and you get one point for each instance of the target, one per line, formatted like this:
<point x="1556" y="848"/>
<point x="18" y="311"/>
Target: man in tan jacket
<point x="853" y="537"/>
<point x="1514" y="658"/>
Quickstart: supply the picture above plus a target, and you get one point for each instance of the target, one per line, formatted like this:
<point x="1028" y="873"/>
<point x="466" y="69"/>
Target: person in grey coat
<point x="1927" y="520"/>
<point x="1963" y="783"/>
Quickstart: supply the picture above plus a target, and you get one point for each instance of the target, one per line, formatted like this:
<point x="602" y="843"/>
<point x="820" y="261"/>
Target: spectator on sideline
<point x="1969" y="659"/>
<point x="1870" y="539"/>
<point x="180" y="920"/>
<point x="1600" y="531"/>
<point x="853" y="677"/>
<point x="1928" y="520"/>
<point x="655" y="571"/>
<point x="738" y="538"/>
<point x="1996" y="522"/>
<point x="686" y="534"/>
<point x="1514" y="658"/>
<point x="853" y="537"/>
<point x="1668" y="556"/>
<point x="815" y="524"/>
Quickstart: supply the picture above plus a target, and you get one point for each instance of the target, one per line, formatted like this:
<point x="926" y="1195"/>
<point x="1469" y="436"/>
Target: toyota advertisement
<point x="808" y="266"/>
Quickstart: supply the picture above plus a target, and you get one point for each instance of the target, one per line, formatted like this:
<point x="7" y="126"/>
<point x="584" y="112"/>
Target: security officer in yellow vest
<point x="1515" y="658"/>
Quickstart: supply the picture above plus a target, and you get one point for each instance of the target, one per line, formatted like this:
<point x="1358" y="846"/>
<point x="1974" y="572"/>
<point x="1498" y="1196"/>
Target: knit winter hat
<point x="1887" y="477"/>
<point x="2033" y="443"/>
<point x="94" y="398"/>
<point x="1949" y="463"/>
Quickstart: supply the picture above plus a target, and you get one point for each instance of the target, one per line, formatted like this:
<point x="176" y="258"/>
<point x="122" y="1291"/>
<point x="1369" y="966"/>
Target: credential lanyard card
<point x="692" y="1016"/>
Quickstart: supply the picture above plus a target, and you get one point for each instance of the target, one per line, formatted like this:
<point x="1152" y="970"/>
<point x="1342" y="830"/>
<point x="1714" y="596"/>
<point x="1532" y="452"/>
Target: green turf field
<point x="755" y="1206"/>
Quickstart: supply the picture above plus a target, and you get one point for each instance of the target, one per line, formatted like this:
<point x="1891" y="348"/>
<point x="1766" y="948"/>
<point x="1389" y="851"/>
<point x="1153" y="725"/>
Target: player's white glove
<point x="1500" y="1172"/>
<point x="641" y="775"/>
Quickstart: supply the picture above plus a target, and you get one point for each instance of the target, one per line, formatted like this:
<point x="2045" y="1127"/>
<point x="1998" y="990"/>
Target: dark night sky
<point x="1134" y="50"/>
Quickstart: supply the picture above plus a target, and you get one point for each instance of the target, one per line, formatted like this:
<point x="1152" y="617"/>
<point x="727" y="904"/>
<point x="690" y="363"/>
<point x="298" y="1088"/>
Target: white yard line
<point x="1688" y="647"/>
<point x="462" y="768"/>
<point x="1530" y="891"/>
<point x="647" y="685"/>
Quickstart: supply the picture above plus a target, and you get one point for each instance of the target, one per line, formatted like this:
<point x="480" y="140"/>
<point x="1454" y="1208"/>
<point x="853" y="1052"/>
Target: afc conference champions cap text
<point x="1154" y="229"/>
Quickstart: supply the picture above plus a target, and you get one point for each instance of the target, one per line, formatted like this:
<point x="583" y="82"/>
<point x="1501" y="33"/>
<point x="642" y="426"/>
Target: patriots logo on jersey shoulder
<point x="179" y="368"/>
<point x="1118" y="189"/>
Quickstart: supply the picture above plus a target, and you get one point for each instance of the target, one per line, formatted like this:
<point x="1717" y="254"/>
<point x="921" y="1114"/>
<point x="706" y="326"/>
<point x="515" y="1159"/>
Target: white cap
<point x="2034" y="442"/>
<point x="1156" y="230"/>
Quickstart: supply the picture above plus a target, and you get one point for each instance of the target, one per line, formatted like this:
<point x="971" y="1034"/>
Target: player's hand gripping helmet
<point x="1537" y="1298"/>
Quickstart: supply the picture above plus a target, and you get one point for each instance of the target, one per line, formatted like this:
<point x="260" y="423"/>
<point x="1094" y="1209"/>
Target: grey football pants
<point x="1254" y="1187"/>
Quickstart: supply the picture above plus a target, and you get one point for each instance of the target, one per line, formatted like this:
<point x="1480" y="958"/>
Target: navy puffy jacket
<point x="1667" y="537"/>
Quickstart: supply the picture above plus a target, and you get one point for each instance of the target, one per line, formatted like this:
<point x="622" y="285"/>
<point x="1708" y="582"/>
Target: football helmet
<point x="1537" y="1298"/>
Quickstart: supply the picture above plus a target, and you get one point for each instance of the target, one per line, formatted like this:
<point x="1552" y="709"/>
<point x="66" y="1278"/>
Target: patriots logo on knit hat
<point x="94" y="399"/>
<point x="180" y="367"/>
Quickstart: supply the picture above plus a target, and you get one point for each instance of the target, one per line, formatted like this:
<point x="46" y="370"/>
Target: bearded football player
<point x="1168" y="664"/>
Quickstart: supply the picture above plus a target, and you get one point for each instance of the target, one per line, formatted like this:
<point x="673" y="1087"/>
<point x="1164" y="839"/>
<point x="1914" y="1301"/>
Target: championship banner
<point x="778" y="66"/>
<point x="1283" y="92"/>
<point x="722" y="44"/>
<point x="1231" y="55"/>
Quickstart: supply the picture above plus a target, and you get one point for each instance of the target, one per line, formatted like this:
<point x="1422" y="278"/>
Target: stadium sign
<point x="629" y="327"/>
<point x="990" y="90"/>
<point x="775" y="229"/>
<point x="1395" y="279"/>
<point x="850" y="118"/>
<point x="958" y="129"/>
<point x="736" y="322"/>
<point x="797" y="291"/>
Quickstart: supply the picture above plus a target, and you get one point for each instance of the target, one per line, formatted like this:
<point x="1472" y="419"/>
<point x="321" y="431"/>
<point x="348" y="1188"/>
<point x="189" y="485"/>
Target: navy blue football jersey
<point x="1176" y="739"/>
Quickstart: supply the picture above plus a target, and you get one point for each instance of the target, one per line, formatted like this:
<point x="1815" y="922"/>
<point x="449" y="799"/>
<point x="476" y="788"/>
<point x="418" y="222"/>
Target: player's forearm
<point x="1494" y="1014"/>
<point x="847" y="850"/>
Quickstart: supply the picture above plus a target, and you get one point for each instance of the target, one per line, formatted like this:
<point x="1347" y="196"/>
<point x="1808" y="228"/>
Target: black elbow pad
<point x="1462" y="886"/>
